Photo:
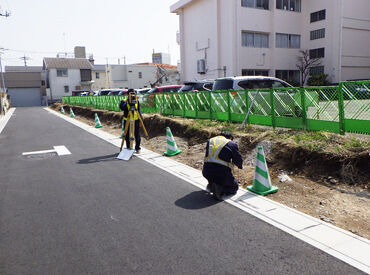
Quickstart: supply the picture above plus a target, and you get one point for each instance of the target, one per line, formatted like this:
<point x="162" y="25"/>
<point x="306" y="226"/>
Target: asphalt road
<point x="90" y="213"/>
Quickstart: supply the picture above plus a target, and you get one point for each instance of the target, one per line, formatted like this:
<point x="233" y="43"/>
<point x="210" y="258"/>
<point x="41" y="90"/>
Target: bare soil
<point x="330" y="182"/>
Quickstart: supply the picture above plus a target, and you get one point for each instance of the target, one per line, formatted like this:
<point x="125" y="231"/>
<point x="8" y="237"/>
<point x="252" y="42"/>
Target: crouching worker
<point x="221" y="153"/>
<point x="131" y="105"/>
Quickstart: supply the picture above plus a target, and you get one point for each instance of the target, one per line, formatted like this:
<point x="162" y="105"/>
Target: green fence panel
<point x="190" y="104"/>
<point x="219" y="109"/>
<point x="339" y="109"/>
<point x="356" y="106"/>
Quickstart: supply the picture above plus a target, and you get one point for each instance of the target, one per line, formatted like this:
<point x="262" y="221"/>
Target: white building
<point x="135" y="76"/>
<point x="65" y="75"/>
<point x="246" y="37"/>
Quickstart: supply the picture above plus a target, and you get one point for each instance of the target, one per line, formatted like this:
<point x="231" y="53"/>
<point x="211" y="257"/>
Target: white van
<point x="248" y="82"/>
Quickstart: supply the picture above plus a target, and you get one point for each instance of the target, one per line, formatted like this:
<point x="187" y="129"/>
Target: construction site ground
<point x="322" y="174"/>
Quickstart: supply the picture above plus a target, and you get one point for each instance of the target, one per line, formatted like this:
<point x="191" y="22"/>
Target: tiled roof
<point x="165" y="66"/>
<point x="67" y="63"/>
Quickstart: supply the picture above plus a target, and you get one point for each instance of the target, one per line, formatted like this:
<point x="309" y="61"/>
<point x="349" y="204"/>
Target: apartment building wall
<point x="218" y="26"/>
<point x="355" y="47"/>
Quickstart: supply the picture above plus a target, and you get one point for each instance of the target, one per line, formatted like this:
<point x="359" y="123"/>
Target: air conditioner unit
<point x="201" y="66"/>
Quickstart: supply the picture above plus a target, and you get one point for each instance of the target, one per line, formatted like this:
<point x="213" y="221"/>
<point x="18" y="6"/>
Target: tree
<point x="318" y="80"/>
<point x="304" y="63"/>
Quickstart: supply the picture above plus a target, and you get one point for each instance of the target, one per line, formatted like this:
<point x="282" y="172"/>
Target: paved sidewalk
<point x="335" y="241"/>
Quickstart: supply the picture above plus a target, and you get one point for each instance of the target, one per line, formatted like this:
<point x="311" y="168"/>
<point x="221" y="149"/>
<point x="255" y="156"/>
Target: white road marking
<point x="60" y="150"/>
<point x="4" y="120"/>
<point x="38" y="152"/>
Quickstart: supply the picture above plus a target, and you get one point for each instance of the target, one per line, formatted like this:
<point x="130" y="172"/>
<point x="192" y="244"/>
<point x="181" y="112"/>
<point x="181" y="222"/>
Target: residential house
<point x="137" y="76"/>
<point x="64" y="75"/>
<point x="265" y="37"/>
<point x="99" y="77"/>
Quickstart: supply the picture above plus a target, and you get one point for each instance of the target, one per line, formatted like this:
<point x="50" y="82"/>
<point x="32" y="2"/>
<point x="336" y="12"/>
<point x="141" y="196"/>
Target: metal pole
<point x="2" y="76"/>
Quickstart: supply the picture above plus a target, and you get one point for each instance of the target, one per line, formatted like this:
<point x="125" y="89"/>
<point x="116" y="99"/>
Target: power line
<point x="25" y="58"/>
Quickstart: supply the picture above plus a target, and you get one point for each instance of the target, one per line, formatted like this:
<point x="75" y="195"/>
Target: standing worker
<point x="221" y="153"/>
<point x="132" y="104"/>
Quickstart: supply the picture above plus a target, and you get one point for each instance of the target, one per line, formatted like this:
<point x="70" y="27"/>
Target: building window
<point x="289" y="5"/>
<point x="258" y="4"/>
<point x="140" y="75"/>
<point x="317" y="70"/>
<point x="255" y="72"/>
<point x="317" y="34"/>
<point x="318" y="16"/>
<point x="85" y="75"/>
<point x="97" y="75"/>
<point x="256" y="40"/>
<point x="291" y="76"/>
<point x="317" y="53"/>
<point x="284" y="40"/>
<point x="66" y="89"/>
<point x="62" y="72"/>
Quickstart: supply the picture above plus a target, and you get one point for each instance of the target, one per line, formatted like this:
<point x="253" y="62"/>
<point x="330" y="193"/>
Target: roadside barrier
<point x="71" y="113"/>
<point x="97" y="121"/>
<point x="171" y="144"/>
<point x="339" y="109"/>
<point x="262" y="182"/>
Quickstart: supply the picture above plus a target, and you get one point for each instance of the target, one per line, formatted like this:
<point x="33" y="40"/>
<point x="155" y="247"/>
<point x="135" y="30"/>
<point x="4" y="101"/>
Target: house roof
<point x="165" y="66"/>
<point x="175" y="8"/>
<point x="99" y="68"/>
<point x="67" y="63"/>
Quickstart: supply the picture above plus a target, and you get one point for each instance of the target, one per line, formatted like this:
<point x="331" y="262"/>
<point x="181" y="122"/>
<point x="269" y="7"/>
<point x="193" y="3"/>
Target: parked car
<point x="142" y="91"/>
<point x="202" y="85"/>
<point x="248" y="82"/>
<point x="119" y="92"/>
<point x="79" y="92"/>
<point x="165" y="89"/>
<point x="112" y="92"/>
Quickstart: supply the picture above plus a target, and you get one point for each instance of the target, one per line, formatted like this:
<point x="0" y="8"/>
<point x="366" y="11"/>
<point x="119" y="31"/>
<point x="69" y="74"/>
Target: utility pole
<point x="25" y="58"/>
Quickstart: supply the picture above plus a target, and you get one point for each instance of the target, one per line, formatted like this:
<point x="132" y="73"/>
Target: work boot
<point x="217" y="192"/>
<point x="138" y="151"/>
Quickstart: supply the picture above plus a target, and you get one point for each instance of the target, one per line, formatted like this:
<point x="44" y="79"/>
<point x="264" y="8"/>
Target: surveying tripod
<point x="130" y="121"/>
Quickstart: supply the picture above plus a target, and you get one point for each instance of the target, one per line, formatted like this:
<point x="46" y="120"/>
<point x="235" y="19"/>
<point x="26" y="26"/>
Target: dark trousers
<point x="137" y="134"/>
<point x="222" y="176"/>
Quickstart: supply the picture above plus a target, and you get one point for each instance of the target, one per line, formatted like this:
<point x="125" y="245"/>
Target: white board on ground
<point x="126" y="154"/>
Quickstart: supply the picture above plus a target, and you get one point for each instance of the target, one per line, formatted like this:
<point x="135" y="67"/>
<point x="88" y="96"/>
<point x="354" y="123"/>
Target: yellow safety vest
<point x="136" y="112"/>
<point x="215" y="146"/>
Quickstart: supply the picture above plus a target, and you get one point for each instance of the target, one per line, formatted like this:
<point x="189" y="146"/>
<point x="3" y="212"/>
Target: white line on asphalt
<point x="61" y="150"/>
<point x="4" y="120"/>
<point x="38" y="152"/>
<point x="339" y="243"/>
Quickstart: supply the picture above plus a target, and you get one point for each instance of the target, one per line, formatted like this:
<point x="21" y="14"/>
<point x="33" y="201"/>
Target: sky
<point x="109" y="29"/>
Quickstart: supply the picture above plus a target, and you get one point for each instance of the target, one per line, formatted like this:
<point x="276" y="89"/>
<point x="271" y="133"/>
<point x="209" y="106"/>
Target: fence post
<point x="247" y="103"/>
<point x="196" y="104"/>
<point x="183" y="104"/>
<point x="303" y="105"/>
<point x="228" y="106"/>
<point x="210" y="104"/>
<point x="272" y="108"/>
<point x="172" y="101"/>
<point x="342" y="129"/>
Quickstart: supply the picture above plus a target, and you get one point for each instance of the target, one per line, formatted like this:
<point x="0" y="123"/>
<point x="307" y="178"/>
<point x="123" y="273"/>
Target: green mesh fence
<point x="338" y="109"/>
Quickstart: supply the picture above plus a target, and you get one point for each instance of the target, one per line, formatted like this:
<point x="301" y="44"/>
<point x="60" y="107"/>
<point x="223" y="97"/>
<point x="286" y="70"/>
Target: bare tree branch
<point x="304" y="63"/>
